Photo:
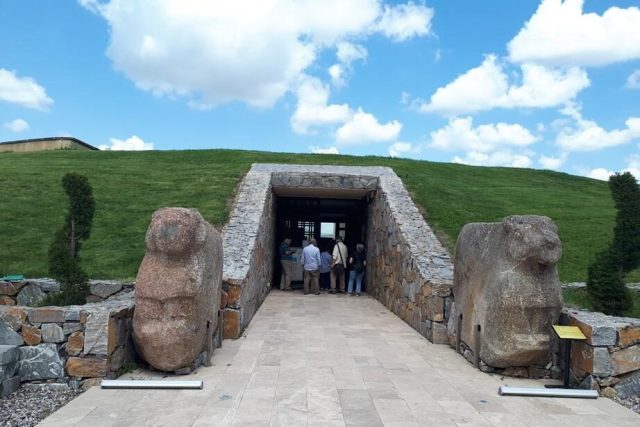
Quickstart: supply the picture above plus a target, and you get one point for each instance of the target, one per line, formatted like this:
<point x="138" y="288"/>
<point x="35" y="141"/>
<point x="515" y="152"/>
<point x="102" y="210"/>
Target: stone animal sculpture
<point x="506" y="281"/>
<point x="178" y="290"/>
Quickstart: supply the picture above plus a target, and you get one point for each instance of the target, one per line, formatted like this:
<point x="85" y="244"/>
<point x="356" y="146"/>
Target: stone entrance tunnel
<point x="408" y="270"/>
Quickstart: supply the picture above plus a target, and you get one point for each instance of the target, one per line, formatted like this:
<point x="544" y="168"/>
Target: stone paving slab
<point x="335" y="360"/>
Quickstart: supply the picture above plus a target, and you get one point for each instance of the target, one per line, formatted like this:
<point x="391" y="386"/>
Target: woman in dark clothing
<point x="358" y="262"/>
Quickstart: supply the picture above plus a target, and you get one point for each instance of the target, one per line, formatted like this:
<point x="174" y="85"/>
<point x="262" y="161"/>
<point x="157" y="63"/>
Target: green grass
<point x="130" y="186"/>
<point x="578" y="298"/>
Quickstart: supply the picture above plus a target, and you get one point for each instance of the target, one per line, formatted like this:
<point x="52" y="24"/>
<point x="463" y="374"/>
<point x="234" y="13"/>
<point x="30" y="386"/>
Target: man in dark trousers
<point x="285" y="261"/>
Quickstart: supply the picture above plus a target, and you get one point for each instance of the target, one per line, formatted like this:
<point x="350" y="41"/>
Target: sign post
<point x="567" y="334"/>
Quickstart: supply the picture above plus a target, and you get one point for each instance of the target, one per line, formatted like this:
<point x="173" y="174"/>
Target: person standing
<point x="311" y="265"/>
<point x="325" y="268"/>
<point x="338" y="266"/>
<point x="358" y="262"/>
<point x="285" y="261"/>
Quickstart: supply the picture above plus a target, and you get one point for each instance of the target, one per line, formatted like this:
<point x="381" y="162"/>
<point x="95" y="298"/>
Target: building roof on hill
<point x="51" y="138"/>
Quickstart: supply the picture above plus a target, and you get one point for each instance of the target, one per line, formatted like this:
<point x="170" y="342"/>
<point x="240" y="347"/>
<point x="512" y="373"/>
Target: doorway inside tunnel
<point x="324" y="217"/>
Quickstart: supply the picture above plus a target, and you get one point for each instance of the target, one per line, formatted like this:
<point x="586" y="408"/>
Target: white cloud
<point x="633" y="81"/>
<point x="487" y="87"/>
<point x="559" y="33"/>
<point x="364" y="128"/>
<point x="17" y="125"/>
<point x="23" y="91"/>
<point x="600" y="173"/>
<point x="404" y="21"/>
<point x="347" y="54"/>
<point x="244" y="50"/>
<point x="133" y="143"/>
<point x="587" y="135"/>
<point x="498" y="158"/>
<point x="633" y="166"/>
<point x="326" y="150"/>
<point x="459" y="134"/>
<point x="397" y="149"/>
<point x="312" y="109"/>
<point x="553" y="163"/>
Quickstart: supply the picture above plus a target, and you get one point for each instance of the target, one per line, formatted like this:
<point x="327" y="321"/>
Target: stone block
<point x="94" y="299"/>
<point x="223" y="299"/>
<point x="7" y="300"/>
<point x="8" y="354"/>
<point x="598" y="328"/>
<point x="629" y="335"/>
<point x="112" y="335"/>
<point x="629" y="386"/>
<point x="7" y="371"/>
<point x="86" y="368"/>
<point x="30" y="295"/>
<point x="31" y="334"/>
<point x="233" y="295"/>
<point x="439" y="333"/>
<point x="435" y="309"/>
<point x="51" y="332"/>
<point x="9" y="386"/>
<point x="91" y="382"/>
<point x="625" y="360"/>
<point x="40" y="362"/>
<point x="593" y="360"/>
<point x="71" y="327"/>
<point x="105" y="289"/>
<point x="75" y="343"/>
<point x="96" y="333"/>
<point x="116" y="360"/>
<point x="14" y="317"/>
<point x="231" y="325"/>
<point x="72" y="315"/>
<point x="7" y="288"/>
<point x="8" y="336"/>
<point x="46" y="315"/>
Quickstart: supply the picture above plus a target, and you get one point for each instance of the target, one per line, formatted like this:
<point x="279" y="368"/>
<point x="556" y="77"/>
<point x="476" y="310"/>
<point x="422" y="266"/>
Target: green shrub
<point x="64" y="261"/>
<point x="606" y="289"/>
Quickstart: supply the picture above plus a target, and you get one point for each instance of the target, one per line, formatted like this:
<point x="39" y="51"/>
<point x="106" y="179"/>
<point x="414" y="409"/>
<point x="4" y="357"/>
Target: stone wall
<point x="609" y="360"/>
<point x="248" y="241"/>
<point x="408" y="270"/>
<point x="30" y="292"/>
<point x="71" y="344"/>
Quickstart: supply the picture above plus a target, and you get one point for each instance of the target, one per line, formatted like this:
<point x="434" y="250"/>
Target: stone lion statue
<point x="506" y="281"/>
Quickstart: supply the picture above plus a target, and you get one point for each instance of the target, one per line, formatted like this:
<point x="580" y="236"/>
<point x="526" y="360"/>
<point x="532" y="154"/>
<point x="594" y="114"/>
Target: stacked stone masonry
<point x="610" y="356"/>
<point x="70" y="344"/>
<point x="408" y="270"/>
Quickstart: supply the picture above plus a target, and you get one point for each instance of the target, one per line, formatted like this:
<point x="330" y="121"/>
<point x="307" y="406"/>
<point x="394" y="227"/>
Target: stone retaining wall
<point x="408" y="269"/>
<point x="72" y="344"/>
<point x="609" y="360"/>
<point x="30" y="292"/>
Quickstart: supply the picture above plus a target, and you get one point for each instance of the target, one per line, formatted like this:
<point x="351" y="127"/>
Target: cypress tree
<point x="605" y="282"/>
<point x="64" y="261"/>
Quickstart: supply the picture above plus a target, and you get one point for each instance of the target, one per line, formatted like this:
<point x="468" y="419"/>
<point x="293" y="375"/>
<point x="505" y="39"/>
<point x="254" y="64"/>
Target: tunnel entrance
<point x="323" y="215"/>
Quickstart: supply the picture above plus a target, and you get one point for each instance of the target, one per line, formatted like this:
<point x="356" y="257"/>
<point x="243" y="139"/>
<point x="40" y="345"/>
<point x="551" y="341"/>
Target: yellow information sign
<point x="569" y="332"/>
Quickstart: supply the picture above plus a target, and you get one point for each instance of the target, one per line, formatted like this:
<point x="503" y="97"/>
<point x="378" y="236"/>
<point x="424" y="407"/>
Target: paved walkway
<point x="333" y="361"/>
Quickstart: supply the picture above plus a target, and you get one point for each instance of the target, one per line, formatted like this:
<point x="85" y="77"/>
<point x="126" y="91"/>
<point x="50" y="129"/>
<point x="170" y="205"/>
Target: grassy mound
<point x="130" y="186"/>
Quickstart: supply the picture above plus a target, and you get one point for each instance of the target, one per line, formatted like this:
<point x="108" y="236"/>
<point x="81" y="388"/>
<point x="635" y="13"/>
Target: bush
<point x="64" y="261"/>
<point x="605" y="281"/>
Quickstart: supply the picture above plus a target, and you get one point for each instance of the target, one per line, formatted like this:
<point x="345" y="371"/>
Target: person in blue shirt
<point x="325" y="268"/>
<point x="285" y="260"/>
<point x="311" y="265"/>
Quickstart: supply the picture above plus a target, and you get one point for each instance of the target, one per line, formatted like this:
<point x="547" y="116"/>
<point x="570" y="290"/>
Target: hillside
<point x="129" y="186"/>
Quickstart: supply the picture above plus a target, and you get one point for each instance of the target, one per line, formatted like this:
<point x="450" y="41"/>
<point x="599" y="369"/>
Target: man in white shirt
<point x="311" y="264"/>
<point x="339" y="265"/>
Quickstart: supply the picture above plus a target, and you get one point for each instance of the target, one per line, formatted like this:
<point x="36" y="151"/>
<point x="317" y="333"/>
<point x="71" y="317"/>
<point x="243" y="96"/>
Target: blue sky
<point x="544" y="84"/>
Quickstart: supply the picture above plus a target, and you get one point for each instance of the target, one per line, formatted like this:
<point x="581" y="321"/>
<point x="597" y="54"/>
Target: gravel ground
<point x="632" y="402"/>
<point x="30" y="405"/>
